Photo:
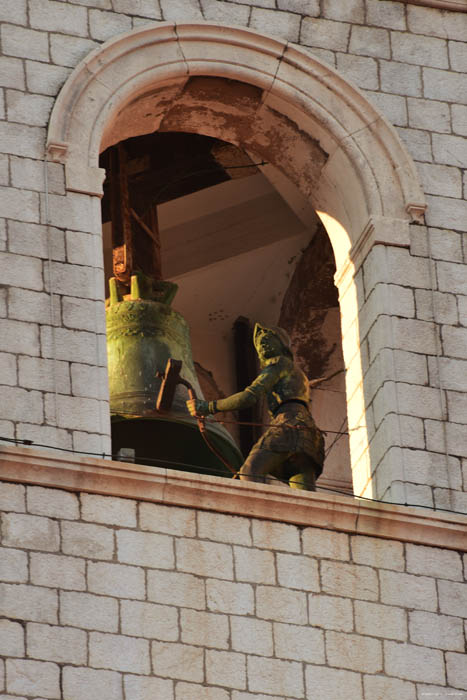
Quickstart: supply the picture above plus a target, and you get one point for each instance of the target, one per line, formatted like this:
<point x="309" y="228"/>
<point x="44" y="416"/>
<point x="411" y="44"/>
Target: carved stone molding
<point x="57" y="151"/>
<point x="366" y="161"/>
<point x="455" y="5"/>
<point x="378" y="231"/>
<point x="282" y="504"/>
<point x="416" y="211"/>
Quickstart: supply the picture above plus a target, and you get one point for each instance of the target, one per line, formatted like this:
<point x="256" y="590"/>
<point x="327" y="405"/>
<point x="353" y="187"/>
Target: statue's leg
<point x="260" y="463"/>
<point x="304" y="481"/>
<point x="305" y="476"/>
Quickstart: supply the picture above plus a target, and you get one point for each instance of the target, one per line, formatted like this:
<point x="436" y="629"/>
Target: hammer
<point x="170" y="379"/>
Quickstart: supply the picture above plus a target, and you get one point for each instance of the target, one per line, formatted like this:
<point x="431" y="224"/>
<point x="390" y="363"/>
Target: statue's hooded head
<point x="271" y="342"/>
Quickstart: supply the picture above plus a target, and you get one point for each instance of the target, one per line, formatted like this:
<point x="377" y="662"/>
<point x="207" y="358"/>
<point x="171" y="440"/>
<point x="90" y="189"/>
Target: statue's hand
<point x="198" y="408"/>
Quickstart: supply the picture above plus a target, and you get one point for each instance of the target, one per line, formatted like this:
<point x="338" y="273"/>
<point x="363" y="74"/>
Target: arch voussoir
<point x="324" y="108"/>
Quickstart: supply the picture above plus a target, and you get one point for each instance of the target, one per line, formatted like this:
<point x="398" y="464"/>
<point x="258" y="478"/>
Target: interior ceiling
<point x="213" y="203"/>
<point x="222" y="222"/>
<point x="167" y="166"/>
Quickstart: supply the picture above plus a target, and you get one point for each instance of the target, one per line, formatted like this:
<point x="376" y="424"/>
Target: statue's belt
<point x="303" y="403"/>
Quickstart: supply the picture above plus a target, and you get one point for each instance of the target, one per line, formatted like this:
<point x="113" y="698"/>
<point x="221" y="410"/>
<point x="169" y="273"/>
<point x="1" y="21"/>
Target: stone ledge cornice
<point x="334" y="512"/>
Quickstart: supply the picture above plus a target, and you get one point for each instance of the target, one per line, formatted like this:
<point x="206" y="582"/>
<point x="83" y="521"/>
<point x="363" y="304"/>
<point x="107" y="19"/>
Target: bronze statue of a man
<point x="292" y="447"/>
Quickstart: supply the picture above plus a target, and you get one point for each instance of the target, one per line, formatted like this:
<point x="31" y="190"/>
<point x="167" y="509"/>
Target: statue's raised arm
<point x="292" y="447"/>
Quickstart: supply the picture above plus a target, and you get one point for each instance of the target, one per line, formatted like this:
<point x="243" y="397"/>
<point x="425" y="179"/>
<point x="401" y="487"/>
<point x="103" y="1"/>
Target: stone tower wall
<point x="409" y="60"/>
<point x="128" y="600"/>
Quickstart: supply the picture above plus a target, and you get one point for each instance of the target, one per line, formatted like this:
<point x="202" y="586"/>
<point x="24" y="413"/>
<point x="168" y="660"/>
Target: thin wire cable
<point x="275" y="425"/>
<point x="338" y="437"/>
<point x="213" y="471"/>
<point x="262" y="425"/>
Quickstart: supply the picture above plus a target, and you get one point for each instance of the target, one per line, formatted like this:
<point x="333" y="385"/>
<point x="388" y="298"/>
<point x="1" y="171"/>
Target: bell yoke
<point x="292" y="447"/>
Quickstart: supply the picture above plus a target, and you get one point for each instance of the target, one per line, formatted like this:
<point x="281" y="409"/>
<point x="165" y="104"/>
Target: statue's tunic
<point x="292" y="429"/>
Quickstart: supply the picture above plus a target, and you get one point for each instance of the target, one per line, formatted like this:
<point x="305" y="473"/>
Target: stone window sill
<point x="333" y="512"/>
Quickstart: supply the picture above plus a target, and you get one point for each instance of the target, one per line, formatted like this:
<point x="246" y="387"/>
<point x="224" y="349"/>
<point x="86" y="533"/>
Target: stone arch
<point x="275" y="100"/>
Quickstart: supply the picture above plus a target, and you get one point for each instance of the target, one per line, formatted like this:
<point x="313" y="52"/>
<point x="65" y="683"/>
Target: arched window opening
<point x="277" y="101"/>
<point x="243" y="245"/>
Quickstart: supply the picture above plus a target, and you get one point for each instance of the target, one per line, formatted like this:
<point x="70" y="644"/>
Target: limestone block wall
<point x="125" y="600"/>
<point x="414" y="375"/>
<point x="410" y="61"/>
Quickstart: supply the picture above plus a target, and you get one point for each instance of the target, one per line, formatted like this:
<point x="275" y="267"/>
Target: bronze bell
<point x="143" y="332"/>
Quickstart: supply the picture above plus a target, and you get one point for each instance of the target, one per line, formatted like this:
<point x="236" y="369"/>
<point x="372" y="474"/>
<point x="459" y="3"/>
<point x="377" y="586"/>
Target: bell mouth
<point x="173" y="441"/>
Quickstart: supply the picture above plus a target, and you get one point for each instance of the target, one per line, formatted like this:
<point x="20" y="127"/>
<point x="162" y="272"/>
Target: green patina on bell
<point x="143" y="332"/>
